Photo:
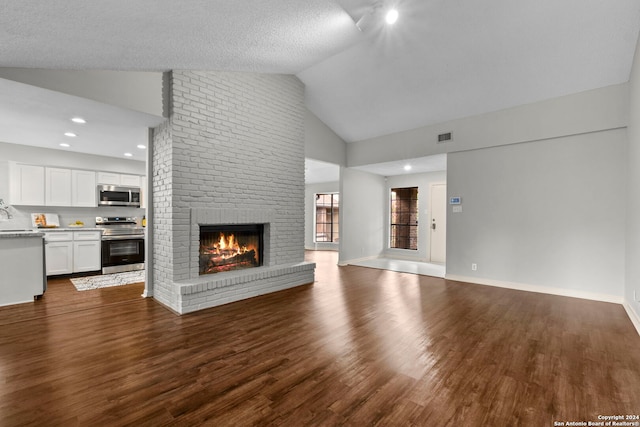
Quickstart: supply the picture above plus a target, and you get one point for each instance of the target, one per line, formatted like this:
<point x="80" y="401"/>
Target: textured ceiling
<point x="443" y="59"/>
<point x="276" y="36"/>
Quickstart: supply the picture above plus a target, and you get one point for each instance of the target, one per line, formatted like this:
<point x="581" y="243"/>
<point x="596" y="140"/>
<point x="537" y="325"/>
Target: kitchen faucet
<point x="4" y="208"/>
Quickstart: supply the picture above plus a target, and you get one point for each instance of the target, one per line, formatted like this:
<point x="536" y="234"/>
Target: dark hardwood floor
<point x="358" y="347"/>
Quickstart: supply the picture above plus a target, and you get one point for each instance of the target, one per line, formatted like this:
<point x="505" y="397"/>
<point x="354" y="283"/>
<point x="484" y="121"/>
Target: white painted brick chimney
<point x="232" y="151"/>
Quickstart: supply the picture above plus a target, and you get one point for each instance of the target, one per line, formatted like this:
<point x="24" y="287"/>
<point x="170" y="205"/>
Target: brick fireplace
<point x="230" y="155"/>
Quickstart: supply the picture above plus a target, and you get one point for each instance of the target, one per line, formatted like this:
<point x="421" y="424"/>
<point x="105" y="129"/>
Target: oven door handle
<point x="124" y="237"/>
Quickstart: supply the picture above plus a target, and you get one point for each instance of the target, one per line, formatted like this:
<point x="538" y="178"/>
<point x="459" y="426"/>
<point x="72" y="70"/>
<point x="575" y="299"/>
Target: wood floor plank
<point x="359" y="346"/>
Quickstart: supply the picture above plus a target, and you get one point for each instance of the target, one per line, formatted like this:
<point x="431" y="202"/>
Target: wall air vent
<point x="444" y="137"/>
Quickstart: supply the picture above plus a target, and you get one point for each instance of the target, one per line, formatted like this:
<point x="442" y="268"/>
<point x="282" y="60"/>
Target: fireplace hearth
<point x="230" y="247"/>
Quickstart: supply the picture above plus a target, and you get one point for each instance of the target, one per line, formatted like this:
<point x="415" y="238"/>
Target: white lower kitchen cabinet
<point x="86" y="256"/>
<point x="59" y="257"/>
<point x="69" y="252"/>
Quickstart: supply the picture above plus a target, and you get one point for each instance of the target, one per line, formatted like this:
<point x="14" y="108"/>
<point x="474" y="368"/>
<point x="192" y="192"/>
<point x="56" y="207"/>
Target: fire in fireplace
<point x="230" y="247"/>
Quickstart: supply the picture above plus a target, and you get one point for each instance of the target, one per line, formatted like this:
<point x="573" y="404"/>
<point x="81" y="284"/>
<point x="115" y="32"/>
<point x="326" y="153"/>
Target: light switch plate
<point x="457" y="208"/>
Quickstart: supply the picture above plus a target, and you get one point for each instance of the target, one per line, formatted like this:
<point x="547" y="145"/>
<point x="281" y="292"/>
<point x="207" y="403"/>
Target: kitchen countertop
<point x="71" y="229"/>
<point x="4" y="234"/>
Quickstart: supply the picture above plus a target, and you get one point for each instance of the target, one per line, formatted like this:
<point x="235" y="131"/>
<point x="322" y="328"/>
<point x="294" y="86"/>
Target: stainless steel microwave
<point x="114" y="195"/>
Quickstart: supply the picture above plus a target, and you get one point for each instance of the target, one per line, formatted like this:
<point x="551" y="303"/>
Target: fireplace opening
<point x="230" y="247"/>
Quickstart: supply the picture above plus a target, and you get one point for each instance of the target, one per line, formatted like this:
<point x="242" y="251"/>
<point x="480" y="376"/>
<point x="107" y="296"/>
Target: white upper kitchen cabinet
<point x="109" y="178"/>
<point x="130" y="180"/>
<point x="57" y="187"/>
<point x="83" y="188"/>
<point x="26" y="184"/>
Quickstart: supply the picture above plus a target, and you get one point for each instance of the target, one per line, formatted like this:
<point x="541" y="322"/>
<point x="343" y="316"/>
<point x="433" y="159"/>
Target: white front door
<point x="438" y="226"/>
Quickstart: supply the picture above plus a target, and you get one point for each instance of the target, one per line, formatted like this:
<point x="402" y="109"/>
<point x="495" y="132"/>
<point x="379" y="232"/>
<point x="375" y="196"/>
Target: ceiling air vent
<point x="444" y="137"/>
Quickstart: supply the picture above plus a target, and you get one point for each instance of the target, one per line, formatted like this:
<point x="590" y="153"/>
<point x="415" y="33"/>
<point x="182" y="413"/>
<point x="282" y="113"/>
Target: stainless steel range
<point x="122" y="244"/>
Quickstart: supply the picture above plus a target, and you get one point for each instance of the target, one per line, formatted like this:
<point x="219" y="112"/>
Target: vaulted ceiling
<point x="443" y="59"/>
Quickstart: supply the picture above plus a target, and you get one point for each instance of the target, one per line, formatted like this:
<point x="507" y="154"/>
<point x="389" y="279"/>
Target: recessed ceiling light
<point x="64" y="144"/>
<point x="391" y="17"/>
<point x="70" y="134"/>
<point x="142" y="147"/>
<point x="407" y="167"/>
<point x="128" y="155"/>
<point x="79" y="120"/>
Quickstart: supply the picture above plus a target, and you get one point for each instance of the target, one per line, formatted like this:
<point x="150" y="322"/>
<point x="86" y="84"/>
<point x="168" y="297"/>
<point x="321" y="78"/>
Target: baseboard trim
<point x="573" y="293"/>
<point x="353" y="261"/>
<point x="635" y="318"/>
<point x="321" y="247"/>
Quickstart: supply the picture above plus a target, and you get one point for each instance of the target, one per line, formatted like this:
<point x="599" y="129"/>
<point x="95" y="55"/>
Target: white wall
<point x="632" y="277"/>
<point x="536" y="181"/>
<point x="321" y="143"/>
<point x="549" y="213"/>
<point x="595" y="110"/>
<point x="310" y="214"/>
<point x="423" y="181"/>
<point x="362" y="196"/>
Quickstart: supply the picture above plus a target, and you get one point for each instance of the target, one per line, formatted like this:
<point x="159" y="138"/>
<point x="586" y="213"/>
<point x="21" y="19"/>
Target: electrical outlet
<point x="474" y="266"/>
<point x="636" y="295"/>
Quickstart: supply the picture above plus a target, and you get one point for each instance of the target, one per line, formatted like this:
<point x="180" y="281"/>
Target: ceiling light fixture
<point x="392" y="16"/>
<point x="142" y="147"/>
<point x="70" y="134"/>
<point x="78" y="120"/>
<point x="65" y="145"/>
<point x="128" y="155"/>
<point x="407" y="167"/>
<point x="374" y="15"/>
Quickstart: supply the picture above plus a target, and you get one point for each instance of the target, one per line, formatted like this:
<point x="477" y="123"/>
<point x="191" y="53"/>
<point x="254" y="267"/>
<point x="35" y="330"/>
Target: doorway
<point x="438" y="225"/>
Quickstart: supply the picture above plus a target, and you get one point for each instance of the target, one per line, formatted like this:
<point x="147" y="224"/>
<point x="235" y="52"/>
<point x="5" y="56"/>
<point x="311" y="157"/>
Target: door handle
<point x="433" y="226"/>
